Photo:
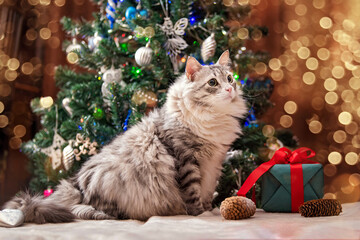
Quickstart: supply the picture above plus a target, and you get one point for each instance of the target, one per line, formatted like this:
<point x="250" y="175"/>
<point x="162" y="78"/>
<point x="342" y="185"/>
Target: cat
<point x="167" y="164"/>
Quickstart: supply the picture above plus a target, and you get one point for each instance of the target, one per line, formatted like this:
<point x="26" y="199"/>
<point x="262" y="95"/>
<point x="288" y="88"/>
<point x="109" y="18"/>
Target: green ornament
<point x="135" y="71"/>
<point x="124" y="47"/>
<point x="98" y="113"/>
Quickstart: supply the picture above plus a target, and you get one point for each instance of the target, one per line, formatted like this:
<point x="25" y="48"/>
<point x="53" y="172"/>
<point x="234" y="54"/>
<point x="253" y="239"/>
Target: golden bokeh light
<point x="329" y="195"/>
<point x="243" y="2"/>
<point x="348" y="25"/>
<point x="312" y="63"/>
<point x="59" y="3"/>
<point x="277" y="75"/>
<point x="45" y="2"/>
<point x="315" y="126"/>
<point x="338" y="72"/>
<point x="15" y="142"/>
<point x="290" y="2"/>
<point x="4" y="121"/>
<point x="319" y="4"/>
<point x="354" y="179"/>
<point x="294" y="25"/>
<point x="326" y="22"/>
<point x="330" y="170"/>
<point x="228" y="3"/>
<point x="331" y="98"/>
<point x="260" y="68"/>
<point x="339" y="136"/>
<point x="268" y="131"/>
<point x="13" y="64"/>
<point x="303" y="52"/>
<point x="345" y="118"/>
<point x="2" y="107"/>
<point x="351" y="158"/>
<point x="346" y="57"/>
<point x="274" y="64"/>
<point x="294" y="46"/>
<point x="300" y="9"/>
<point x="46" y="102"/>
<point x="335" y="158"/>
<point x="243" y="33"/>
<point x="45" y="33"/>
<point x="356" y="141"/>
<point x="330" y="84"/>
<point x="309" y="78"/>
<point x="347" y="95"/>
<point x="27" y="68"/>
<point x="354" y="83"/>
<point x="323" y="54"/>
<point x="31" y="34"/>
<point x="256" y="34"/>
<point x="19" y="131"/>
<point x="286" y="121"/>
<point x="347" y="189"/>
<point x="290" y="107"/>
<point x="10" y="75"/>
<point x="352" y="128"/>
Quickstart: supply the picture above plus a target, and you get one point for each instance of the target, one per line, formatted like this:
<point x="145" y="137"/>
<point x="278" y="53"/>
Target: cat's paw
<point x="207" y="206"/>
<point x="194" y="211"/>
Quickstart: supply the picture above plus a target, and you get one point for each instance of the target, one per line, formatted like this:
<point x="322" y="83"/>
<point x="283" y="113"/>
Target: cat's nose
<point x="228" y="89"/>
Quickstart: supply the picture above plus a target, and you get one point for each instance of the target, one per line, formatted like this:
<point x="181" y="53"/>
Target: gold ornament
<point x="147" y="97"/>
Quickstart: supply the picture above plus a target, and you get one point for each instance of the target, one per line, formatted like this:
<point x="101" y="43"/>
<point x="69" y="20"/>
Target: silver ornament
<point x="65" y="103"/>
<point x="208" y="47"/>
<point x="113" y="75"/>
<point x="68" y="157"/>
<point x="143" y="55"/>
<point x="74" y="46"/>
<point x="106" y="92"/>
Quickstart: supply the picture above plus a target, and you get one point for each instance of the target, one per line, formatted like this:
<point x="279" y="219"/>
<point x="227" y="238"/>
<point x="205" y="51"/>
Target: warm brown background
<point x="274" y="14"/>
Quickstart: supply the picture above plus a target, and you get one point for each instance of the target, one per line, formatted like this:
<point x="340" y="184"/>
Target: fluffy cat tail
<point x="38" y="209"/>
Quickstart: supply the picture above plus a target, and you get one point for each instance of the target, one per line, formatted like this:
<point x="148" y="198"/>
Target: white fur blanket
<point x="209" y="225"/>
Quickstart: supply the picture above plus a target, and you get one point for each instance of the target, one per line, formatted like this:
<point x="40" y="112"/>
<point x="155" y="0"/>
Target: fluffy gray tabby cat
<point x="167" y="164"/>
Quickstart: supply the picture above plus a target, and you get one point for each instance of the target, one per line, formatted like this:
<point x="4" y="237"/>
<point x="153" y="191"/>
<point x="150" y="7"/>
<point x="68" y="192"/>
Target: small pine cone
<point x="235" y="208"/>
<point x="320" y="207"/>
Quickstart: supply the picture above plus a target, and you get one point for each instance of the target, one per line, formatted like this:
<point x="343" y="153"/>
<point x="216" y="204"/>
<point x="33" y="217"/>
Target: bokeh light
<point x="335" y="158"/>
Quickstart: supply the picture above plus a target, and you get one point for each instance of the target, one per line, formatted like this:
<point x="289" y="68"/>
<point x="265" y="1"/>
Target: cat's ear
<point x="192" y="67"/>
<point x="224" y="59"/>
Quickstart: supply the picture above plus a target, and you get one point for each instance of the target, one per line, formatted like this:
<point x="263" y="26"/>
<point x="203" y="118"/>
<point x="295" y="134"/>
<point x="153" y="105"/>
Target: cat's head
<point x="212" y="86"/>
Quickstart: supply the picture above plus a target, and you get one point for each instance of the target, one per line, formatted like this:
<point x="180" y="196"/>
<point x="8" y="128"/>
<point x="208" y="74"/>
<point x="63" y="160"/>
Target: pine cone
<point x="320" y="207"/>
<point x="235" y="208"/>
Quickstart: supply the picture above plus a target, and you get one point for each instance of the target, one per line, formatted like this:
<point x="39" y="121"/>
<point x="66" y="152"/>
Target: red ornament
<point x="48" y="192"/>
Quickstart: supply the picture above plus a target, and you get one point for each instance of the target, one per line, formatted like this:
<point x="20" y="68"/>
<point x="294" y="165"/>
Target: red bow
<point x="284" y="156"/>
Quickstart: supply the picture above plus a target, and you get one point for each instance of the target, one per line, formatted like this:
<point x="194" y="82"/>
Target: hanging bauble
<point x="208" y="47"/>
<point x="48" y="192"/>
<point x="94" y="41"/>
<point x="98" y="113"/>
<point x="74" y="46"/>
<point x="113" y="75"/>
<point x="147" y="97"/>
<point x="66" y="105"/>
<point x="143" y="55"/>
<point x="130" y="14"/>
<point x="110" y="11"/>
<point x="105" y="90"/>
<point x="144" y="13"/>
<point x="68" y="157"/>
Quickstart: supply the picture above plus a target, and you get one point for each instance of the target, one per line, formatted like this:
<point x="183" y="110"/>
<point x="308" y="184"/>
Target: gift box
<point x="289" y="179"/>
<point x="276" y="186"/>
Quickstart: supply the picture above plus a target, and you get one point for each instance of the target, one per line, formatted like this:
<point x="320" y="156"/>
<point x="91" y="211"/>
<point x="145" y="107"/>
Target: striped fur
<point x="167" y="164"/>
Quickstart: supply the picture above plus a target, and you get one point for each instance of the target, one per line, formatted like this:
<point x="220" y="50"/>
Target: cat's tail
<point x="39" y="210"/>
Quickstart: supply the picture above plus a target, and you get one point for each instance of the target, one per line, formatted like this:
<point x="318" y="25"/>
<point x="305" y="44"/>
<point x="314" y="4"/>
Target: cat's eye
<point x="230" y="79"/>
<point x="212" y="82"/>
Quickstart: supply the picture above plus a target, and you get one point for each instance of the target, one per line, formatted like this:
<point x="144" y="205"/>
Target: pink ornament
<point x="48" y="192"/>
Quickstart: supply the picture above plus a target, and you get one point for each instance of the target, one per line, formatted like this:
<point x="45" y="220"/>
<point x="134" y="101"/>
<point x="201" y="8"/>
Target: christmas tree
<point x="126" y="58"/>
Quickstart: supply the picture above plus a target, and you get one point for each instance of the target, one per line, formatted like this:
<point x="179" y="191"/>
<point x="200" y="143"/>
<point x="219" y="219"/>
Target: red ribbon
<point x="284" y="156"/>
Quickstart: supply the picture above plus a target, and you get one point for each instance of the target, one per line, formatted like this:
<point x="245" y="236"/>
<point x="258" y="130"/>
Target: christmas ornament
<point x="48" y="192"/>
<point x="130" y="14"/>
<point x="66" y="105"/>
<point x="127" y="120"/>
<point x="208" y="47"/>
<point x="11" y="218"/>
<point x="143" y="55"/>
<point x="113" y="75"/>
<point x="84" y="147"/>
<point x="110" y="12"/>
<point x="105" y="90"/>
<point x="320" y="207"/>
<point x="68" y="157"/>
<point x="175" y="43"/>
<point x="98" y="113"/>
<point x="74" y="46"/>
<point x="147" y="97"/>
<point x="235" y="208"/>
<point x="94" y="41"/>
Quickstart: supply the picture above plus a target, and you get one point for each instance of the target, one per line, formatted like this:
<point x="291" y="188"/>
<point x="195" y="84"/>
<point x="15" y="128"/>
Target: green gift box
<point x="276" y="186"/>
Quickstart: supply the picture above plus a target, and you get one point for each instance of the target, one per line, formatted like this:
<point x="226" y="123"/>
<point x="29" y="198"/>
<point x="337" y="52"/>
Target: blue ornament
<point x="127" y="120"/>
<point x="144" y="13"/>
<point x="130" y="13"/>
<point x="110" y="11"/>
